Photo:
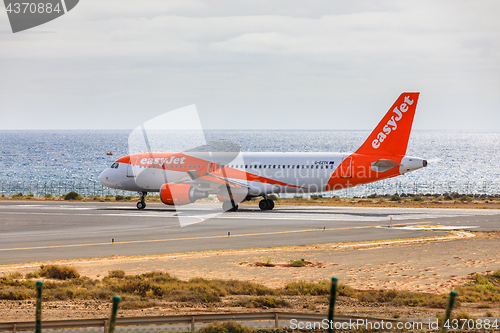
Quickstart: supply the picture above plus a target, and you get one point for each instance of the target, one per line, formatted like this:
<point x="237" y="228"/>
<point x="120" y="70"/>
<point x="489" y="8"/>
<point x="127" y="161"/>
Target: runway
<point x="40" y="231"/>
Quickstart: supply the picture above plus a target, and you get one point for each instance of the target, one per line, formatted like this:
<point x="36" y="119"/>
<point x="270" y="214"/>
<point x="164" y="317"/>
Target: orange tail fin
<point x="392" y="133"/>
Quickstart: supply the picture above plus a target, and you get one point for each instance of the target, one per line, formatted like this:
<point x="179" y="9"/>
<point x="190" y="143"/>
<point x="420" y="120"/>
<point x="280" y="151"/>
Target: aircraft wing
<point x="210" y="181"/>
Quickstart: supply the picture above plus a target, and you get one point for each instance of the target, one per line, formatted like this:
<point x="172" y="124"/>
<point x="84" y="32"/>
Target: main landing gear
<point x="227" y="206"/>
<point x="141" y="204"/>
<point x="266" y="204"/>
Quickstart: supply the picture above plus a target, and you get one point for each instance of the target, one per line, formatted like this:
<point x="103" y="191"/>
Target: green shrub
<point x="72" y="196"/>
<point x="307" y="288"/>
<point x="298" y="263"/>
<point x="16" y="295"/>
<point x="266" y="263"/>
<point x="33" y="275"/>
<point x="119" y="274"/>
<point x="15" y="276"/>
<point x="497" y="274"/>
<point x="59" y="272"/>
<point x="395" y="197"/>
<point x="262" y="301"/>
<point x="344" y="290"/>
<point x="466" y="198"/>
<point x="417" y="199"/>
<point x="48" y="195"/>
<point x="448" y="197"/>
<point x="225" y="327"/>
<point x="119" y="197"/>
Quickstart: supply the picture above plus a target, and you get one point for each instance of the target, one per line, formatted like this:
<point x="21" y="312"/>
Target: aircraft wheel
<point x="270" y="203"/>
<point x="264" y="204"/>
<point x="141" y="205"/>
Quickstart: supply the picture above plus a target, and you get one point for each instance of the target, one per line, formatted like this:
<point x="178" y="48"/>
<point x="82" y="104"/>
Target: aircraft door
<point x="346" y="168"/>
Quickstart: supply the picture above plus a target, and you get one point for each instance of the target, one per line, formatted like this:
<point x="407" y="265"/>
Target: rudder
<point x="393" y="132"/>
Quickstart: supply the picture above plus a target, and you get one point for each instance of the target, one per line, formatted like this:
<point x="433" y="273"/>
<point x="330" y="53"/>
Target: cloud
<point x="262" y="57"/>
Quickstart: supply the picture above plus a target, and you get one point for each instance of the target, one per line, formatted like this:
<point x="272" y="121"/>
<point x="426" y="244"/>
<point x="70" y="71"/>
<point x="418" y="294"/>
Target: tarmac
<point x="43" y="231"/>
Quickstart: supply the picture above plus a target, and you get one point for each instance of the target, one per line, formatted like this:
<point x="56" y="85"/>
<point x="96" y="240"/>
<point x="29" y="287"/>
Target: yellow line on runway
<point x="190" y="238"/>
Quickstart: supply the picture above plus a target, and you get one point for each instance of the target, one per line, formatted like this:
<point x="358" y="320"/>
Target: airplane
<point x="181" y="178"/>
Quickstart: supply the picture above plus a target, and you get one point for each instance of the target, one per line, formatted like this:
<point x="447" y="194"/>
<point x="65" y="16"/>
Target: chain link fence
<point x="93" y="188"/>
<point x="51" y="188"/>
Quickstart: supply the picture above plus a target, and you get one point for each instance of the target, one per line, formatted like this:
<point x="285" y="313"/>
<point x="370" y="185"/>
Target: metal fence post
<point x="38" y="322"/>
<point x="453" y="294"/>
<point x="331" y="307"/>
<point x="114" y="311"/>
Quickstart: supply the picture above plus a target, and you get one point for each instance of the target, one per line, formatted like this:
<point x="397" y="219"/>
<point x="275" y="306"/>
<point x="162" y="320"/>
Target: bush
<point x="225" y="327"/>
<point x="448" y="197"/>
<point x="497" y="274"/>
<point x="307" y="288"/>
<point x="417" y="199"/>
<point x="344" y="290"/>
<point x="263" y="301"/>
<point x="72" y="196"/>
<point x="119" y="274"/>
<point x="17" y="295"/>
<point x="395" y="197"/>
<point x="266" y="263"/>
<point x="119" y="197"/>
<point x="298" y="263"/>
<point x="466" y="198"/>
<point x="59" y="272"/>
<point x="48" y="195"/>
<point x="16" y="275"/>
<point x="33" y="275"/>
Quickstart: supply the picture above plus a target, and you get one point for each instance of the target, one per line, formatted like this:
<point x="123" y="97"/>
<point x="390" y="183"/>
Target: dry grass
<point x="225" y="327"/>
<point x="59" y="272"/>
<point x="262" y="302"/>
<point x="142" y="290"/>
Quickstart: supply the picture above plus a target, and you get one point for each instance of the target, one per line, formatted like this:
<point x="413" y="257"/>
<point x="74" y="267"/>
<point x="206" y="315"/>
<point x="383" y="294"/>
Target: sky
<point x="326" y="65"/>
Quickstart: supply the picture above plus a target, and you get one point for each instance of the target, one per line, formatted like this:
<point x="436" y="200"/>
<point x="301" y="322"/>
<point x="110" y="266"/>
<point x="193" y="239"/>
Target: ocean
<point x="465" y="162"/>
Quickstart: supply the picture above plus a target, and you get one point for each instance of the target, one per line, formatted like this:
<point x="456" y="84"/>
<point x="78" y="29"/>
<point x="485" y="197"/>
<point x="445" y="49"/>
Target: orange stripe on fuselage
<point x="184" y="163"/>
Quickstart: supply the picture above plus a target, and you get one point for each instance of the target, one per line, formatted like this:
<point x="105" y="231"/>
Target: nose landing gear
<point x="141" y="204"/>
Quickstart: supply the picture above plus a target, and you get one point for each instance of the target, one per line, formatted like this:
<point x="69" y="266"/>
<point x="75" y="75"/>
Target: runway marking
<point x="91" y="232"/>
<point x="194" y="238"/>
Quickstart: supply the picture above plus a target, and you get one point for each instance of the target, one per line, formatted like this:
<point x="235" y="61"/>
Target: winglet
<point x="392" y="133"/>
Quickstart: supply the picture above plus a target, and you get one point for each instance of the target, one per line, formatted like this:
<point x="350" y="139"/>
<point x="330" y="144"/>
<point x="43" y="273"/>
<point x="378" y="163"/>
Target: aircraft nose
<point x="103" y="178"/>
<point x="425" y="163"/>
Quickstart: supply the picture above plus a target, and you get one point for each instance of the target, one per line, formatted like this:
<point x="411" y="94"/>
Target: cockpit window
<point x="114" y="165"/>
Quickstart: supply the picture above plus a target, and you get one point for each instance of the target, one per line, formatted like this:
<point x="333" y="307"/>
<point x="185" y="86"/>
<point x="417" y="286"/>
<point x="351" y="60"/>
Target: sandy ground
<point x="431" y="265"/>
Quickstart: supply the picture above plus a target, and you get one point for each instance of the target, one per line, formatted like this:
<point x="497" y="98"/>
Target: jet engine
<point x="180" y="194"/>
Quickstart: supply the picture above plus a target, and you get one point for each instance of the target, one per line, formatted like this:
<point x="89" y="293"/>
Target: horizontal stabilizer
<point x="384" y="165"/>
